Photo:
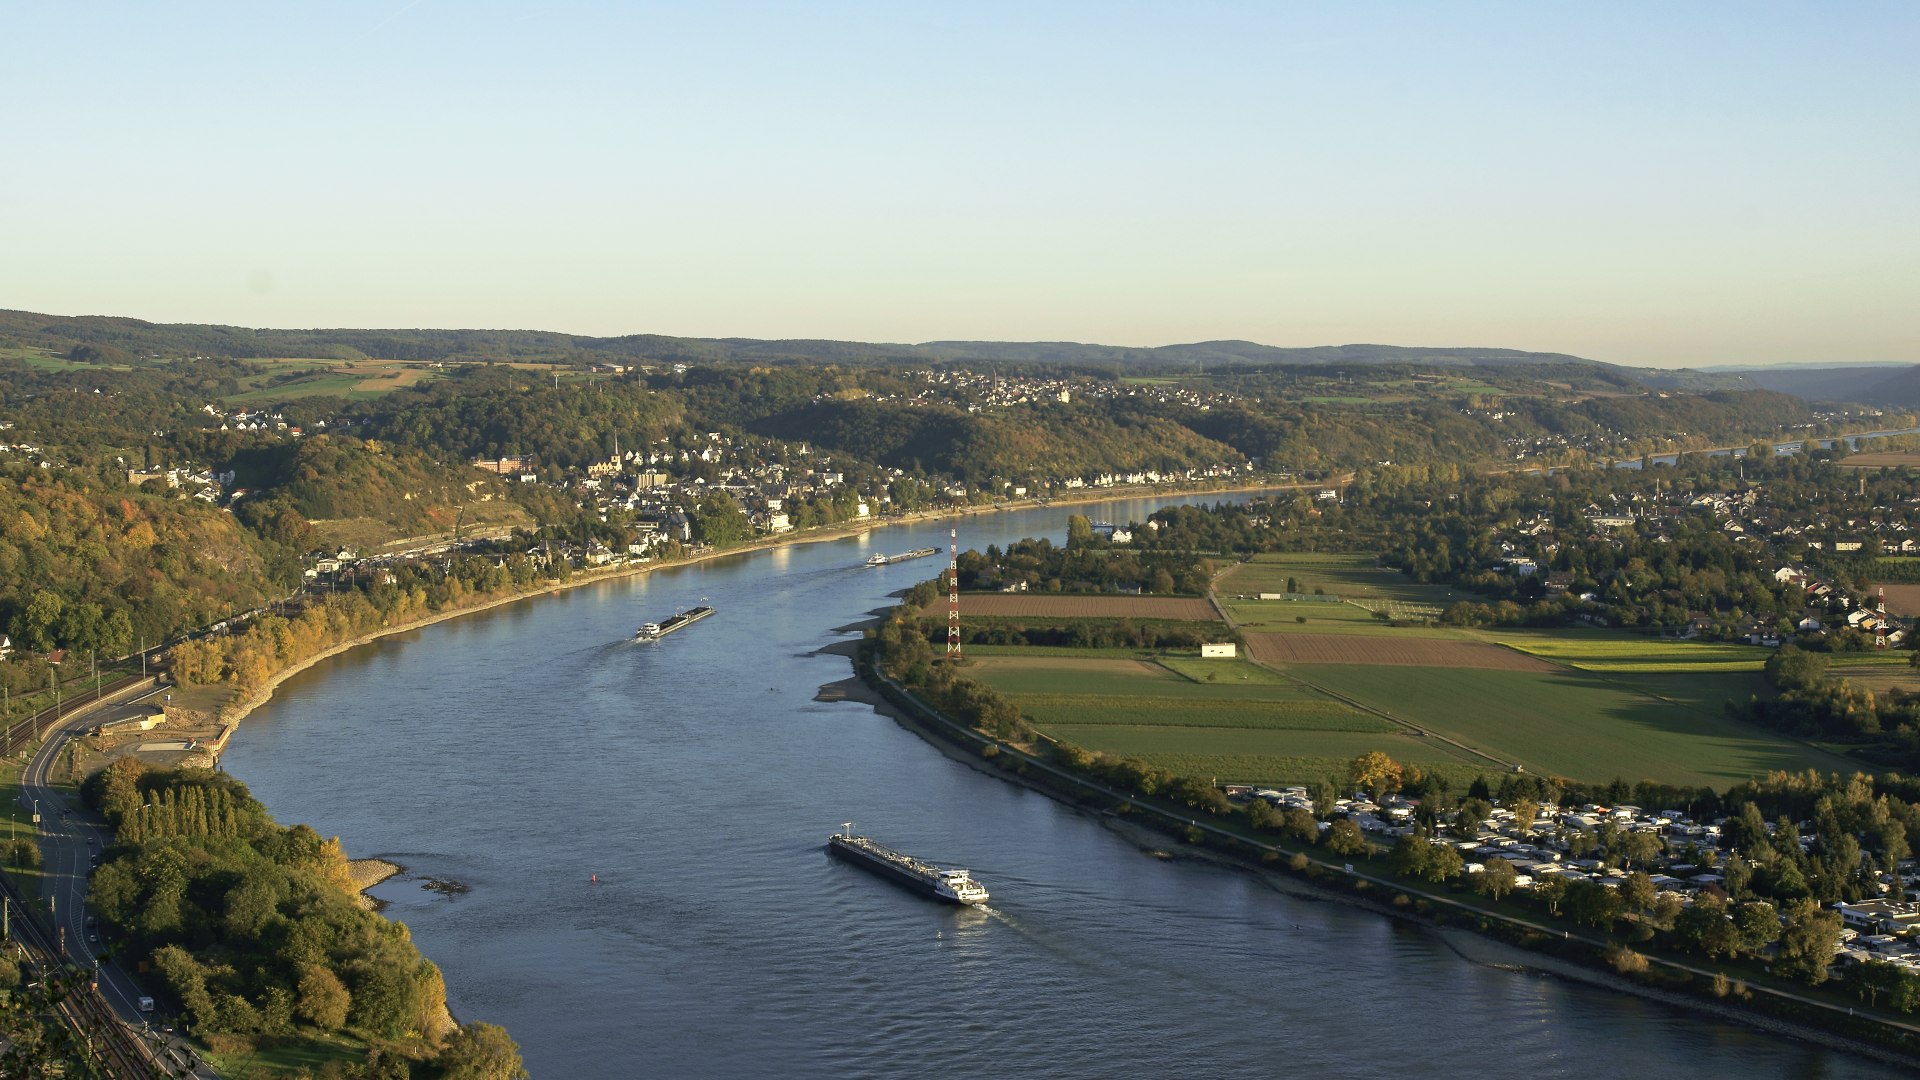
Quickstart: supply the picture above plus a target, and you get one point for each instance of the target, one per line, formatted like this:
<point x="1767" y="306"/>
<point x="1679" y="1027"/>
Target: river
<point x="522" y="750"/>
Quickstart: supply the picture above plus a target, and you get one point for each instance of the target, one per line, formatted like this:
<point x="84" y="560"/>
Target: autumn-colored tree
<point x="1375" y="772"/>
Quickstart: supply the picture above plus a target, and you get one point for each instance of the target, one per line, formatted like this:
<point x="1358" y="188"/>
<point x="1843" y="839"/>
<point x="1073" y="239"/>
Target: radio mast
<point x="953" y="594"/>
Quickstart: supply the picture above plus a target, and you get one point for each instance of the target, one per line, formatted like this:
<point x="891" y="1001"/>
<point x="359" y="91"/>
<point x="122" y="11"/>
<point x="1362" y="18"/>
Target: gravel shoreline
<point x="366" y="874"/>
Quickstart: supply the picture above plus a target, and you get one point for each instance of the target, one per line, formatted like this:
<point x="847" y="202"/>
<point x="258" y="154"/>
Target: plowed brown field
<point x="1903" y="599"/>
<point x="1355" y="649"/>
<point x="1082" y="607"/>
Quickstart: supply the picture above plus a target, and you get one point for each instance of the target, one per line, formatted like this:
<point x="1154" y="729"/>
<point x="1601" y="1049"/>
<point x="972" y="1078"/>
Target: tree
<point x="1079" y="532"/>
<point x="1375" y="772"/>
<point x="480" y="1051"/>
<point x="324" y="1000"/>
<point x="1759" y="924"/>
<point x="40" y="624"/>
<point x="1592" y="904"/>
<point x="1704" y="928"/>
<point x="1498" y="879"/>
<point x="1443" y="863"/>
<point x="1637" y="891"/>
<point x="718" y="520"/>
<point x="1525" y="812"/>
<point x="1412" y="855"/>
<point x="1807" y="943"/>
<point x="1299" y="824"/>
<point x="1343" y="837"/>
<point x="1640" y="848"/>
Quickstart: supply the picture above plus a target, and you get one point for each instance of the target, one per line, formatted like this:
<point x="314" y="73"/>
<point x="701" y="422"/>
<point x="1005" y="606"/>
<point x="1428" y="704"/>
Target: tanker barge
<point x="656" y="631"/>
<point x="953" y="886"/>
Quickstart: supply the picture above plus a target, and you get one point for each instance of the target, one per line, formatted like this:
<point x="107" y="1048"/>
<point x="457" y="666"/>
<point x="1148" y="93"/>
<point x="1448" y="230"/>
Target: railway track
<point x="121" y="1053"/>
<point x="25" y="732"/>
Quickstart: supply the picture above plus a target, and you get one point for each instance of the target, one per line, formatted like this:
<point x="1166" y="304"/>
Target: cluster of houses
<point x="1564" y="842"/>
<point x="1744" y="516"/>
<point x="251" y="420"/>
<point x="974" y="391"/>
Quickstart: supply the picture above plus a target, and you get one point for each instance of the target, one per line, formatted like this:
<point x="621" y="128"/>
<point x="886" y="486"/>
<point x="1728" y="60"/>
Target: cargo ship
<point x="656" y="631"/>
<point x="953" y="886"/>
<point x="889" y="560"/>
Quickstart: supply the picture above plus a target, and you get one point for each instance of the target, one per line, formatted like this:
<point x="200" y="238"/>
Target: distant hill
<point x="137" y="338"/>
<point x="1244" y="352"/>
<point x="1865" y="384"/>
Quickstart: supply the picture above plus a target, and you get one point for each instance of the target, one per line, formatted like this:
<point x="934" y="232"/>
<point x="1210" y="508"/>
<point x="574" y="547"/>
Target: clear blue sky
<point x="1644" y="183"/>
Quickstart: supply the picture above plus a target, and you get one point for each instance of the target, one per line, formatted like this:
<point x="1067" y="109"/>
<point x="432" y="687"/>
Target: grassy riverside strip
<point x="1754" y="997"/>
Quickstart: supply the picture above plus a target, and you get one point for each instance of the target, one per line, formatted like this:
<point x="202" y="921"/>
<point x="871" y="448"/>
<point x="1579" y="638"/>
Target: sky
<point x="1643" y="183"/>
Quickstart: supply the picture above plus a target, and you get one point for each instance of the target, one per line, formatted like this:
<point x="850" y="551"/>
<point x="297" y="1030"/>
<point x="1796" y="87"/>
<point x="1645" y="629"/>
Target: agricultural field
<point x="1880" y="680"/>
<point x="1227" y="718"/>
<point x="1230" y="756"/>
<point x="1903" y="599"/>
<point x="49" y="361"/>
<point x="1382" y="650"/>
<point x="1226" y="672"/>
<point x="1600" y="651"/>
<point x="1580" y="725"/>
<point x="1043" y="606"/>
<point x="1311" y="615"/>
<point x="296" y="378"/>
<point x="1880" y="459"/>
<point x="1354" y="578"/>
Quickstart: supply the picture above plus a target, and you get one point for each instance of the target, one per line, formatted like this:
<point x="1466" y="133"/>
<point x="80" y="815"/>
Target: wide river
<point x="523" y="750"/>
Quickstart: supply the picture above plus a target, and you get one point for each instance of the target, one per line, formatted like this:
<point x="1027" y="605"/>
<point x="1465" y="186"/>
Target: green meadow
<point x="1577" y="724"/>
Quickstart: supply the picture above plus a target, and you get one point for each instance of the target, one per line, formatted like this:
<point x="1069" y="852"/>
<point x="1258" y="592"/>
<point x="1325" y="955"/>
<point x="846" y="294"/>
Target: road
<point x="71" y="838"/>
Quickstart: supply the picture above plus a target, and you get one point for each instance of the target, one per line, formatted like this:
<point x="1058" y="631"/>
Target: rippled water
<point x="522" y="750"/>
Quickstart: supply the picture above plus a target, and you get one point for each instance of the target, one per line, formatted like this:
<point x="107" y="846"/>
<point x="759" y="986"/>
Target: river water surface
<point x="523" y="750"/>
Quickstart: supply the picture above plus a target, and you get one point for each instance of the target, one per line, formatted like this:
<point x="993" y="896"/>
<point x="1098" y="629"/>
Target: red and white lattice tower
<point x="953" y="594"/>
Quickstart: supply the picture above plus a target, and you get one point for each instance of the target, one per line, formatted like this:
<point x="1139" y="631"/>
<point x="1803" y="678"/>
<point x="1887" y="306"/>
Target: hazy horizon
<point x="1715" y="185"/>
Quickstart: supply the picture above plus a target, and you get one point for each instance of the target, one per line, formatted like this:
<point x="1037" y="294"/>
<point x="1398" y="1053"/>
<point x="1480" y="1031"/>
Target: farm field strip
<point x="1093" y="606"/>
<point x="1323" y="715"/>
<point x="1370" y="651"/>
<point x="1352" y="577"/>
<point x="1225" y="672"/>
<point x="1283" y="617"/>
<point x="1903" y="599"/>
<point x="1574" y="724"/>
<point x="1592" y="652"/>
<point x="1333" y="749"/>
<point x="1128" y="680"/>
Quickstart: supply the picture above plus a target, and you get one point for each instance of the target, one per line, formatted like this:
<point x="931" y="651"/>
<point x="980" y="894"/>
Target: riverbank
<point x="1573" y="959"/>
<point x="367" y="873"/>
<point x="233" y="712"/>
